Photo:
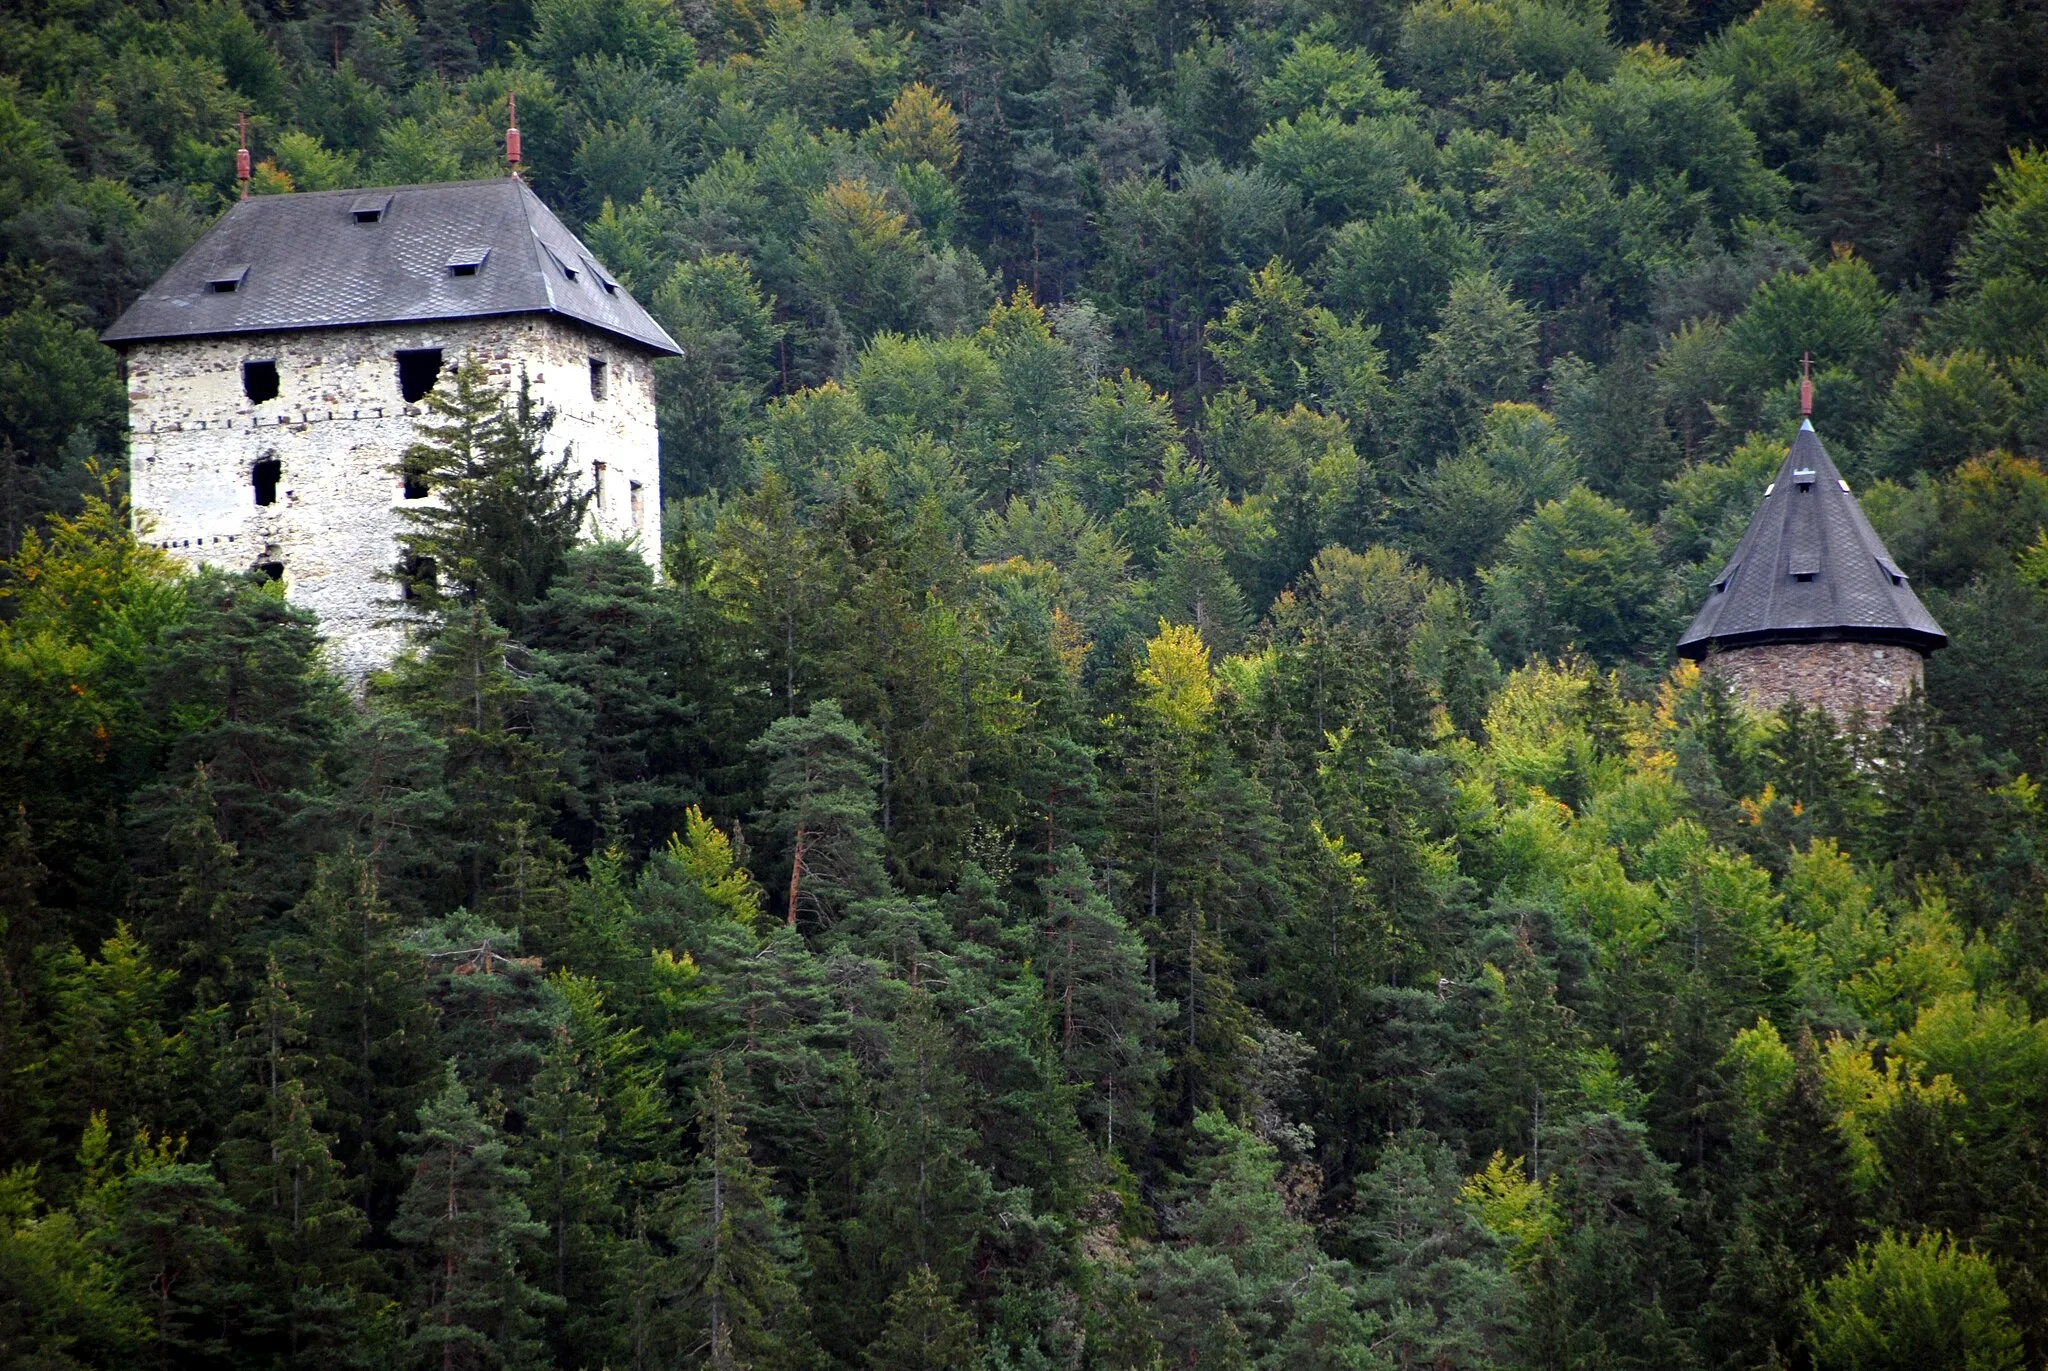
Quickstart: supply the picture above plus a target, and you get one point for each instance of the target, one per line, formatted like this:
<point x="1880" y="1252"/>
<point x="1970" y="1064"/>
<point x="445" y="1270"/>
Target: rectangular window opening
<point x="597" y="480"/>
<point x="639" y="501"/>
<point x="273" y="570"/>
<point x="418" y="369"/>
<point x="227" y="280"/>
<point x="468" y="262"/>
<point x="264" y="476"/>
<point x="369" y="209"/>
<point x="1804" y="575"/>
<point x="414" y="479"/>
<point x="417" y="576"/>
<point x="600" y="378"/>
<point x="259" y="381"/>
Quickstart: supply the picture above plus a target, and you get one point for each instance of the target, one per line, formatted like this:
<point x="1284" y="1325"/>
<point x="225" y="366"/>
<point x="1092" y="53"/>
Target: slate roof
<point x="331" y="259"/>
<point x="1810" y="567"/>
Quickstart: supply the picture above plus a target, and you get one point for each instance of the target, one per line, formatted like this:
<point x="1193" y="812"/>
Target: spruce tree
<point x="734" y="1256"/>
<point x="818" y="798"/>
<point x="299" y="1223"/>
<point x="927" y="1330"/>
<point x="370" y="1029"/>
<point x="504" y="515"/>
<point x="464" y="1222"/>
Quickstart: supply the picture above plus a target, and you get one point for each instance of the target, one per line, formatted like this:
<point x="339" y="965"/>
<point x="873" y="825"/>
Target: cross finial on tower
<point x="242" y="168"/>
<point x="512" y="132"/>
<point x="1806" y="384"/>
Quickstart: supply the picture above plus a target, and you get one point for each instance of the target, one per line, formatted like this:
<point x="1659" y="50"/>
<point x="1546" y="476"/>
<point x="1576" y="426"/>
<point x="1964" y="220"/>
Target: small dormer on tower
<point x="1812" y="607"/>
<point x="278" y="372"/>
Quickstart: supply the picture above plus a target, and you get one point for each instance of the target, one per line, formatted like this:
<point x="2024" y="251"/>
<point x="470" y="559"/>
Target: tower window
<point x="264" y="476"/>
<point x="639" y="503"/>
<point x="415" y="481"/>
<point x="600" y="378"/>
<point x="418" y="369"/>
<point x="273" y="570"/>
<point x="597" y="482"/>
<point x="416" y="575"/>
<point x="259" y="381"/>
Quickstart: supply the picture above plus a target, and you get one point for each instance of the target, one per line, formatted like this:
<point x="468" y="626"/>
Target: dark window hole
<point x="418" y="369"/>
<point x="259" y="381"/>
<point x="264" y="476"/>
<point x="273" y="570"/>
<point x="415" y="482"/>
<point x="416" y="576"/>
<point x="600" y="379"/>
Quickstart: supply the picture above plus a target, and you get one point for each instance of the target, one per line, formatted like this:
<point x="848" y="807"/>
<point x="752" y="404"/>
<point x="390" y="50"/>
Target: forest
<point x="1149" y="817"/>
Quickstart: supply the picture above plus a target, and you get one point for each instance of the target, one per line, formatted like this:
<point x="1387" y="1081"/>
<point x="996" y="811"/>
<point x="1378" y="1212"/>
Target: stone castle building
<point x="1811" y="607"/>
<point x="278" y="371"/>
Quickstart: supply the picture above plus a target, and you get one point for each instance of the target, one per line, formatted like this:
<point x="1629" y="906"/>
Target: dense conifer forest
<point x="1150" y="820"/>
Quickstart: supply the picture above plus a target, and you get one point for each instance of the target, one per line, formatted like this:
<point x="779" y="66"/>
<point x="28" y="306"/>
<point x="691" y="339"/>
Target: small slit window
<point x="597" y="482"/>
<point x="264" y="476"/>
<point x="1803" y="479"/>
<point x="259" y="381"/>
<point x="1804" y="575"/>
<point x="600" y="378"/>
<point x="610" y="286"/>
<point x="468" y="262"/>
<point x="370" y="209"/>
<point x="639" y="500"/>
<point x="413" y="481"/>
<point x="567" y="270"/>
<point x="418" y="369"/>
<point x="228" y="280"/>
<point x="1721" y="586"/>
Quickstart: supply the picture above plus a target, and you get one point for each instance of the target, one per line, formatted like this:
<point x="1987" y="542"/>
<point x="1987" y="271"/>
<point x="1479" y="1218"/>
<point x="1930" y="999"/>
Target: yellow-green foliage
<point x="1513" y="1207"/>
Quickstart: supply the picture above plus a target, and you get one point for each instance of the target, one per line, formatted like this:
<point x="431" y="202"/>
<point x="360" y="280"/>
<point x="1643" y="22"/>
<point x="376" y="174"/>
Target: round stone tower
<point x="1811" y="607"/>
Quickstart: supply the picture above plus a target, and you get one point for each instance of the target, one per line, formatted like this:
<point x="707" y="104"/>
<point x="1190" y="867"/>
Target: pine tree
<point x="733" y="1268"/>
<point x="464" y="1221"/>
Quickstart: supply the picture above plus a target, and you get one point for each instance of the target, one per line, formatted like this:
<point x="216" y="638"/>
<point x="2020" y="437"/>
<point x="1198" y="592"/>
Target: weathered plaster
<point x="1845" y="679"/>
<point x="337" y="428"/>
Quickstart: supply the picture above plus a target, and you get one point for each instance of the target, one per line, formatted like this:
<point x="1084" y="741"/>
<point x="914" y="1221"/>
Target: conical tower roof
<point x="1810" y="568"/>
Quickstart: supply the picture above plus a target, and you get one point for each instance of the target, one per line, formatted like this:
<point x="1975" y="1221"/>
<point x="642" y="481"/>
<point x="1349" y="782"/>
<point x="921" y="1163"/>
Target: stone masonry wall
<point x="1845" y="679"/>
<point x="337" y="428"/>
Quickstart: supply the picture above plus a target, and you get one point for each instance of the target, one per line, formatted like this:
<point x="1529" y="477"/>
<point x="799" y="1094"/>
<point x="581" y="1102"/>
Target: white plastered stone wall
<point x="329" y="526"/>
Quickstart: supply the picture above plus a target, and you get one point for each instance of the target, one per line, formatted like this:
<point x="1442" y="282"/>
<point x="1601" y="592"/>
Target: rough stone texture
<point x="337" y="428"/>
<point x="1845" y="679"/>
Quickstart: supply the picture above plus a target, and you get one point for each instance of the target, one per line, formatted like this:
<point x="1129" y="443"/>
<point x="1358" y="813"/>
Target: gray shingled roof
<point x="1810" y="567"/>
<point x="331" y="259"/>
